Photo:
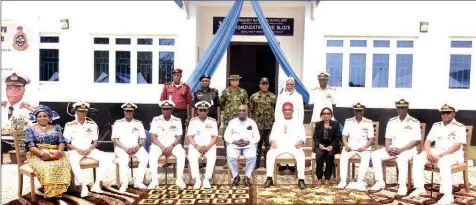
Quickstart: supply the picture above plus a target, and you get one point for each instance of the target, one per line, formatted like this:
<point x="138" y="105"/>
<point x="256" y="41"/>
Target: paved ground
<point x="9" y="181"/>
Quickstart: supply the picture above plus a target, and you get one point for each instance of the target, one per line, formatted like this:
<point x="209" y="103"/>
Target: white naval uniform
<point x="17" y="112"/>
<point x="293" y="97"/>
<point x="166" y="131"/>
<point x="248" y="131"/>
<point x="286" y="133"/>
<point x="129" y="134"/>
<point x="445" y="137"/>
<point x="81" y="136"/>
<point x="322" y="98"/>
<point x="401" y="132"/>
<point x="358" y="134"/>
<point x="203" y="133"/>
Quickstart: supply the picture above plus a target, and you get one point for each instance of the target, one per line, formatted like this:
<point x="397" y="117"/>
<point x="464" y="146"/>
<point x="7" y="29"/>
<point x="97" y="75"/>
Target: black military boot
<point x="269" y="182"/>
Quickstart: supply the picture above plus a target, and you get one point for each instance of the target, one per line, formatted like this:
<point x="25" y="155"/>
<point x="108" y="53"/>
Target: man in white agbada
<point x="449" y="136"/>
<point x="402" y="135"/>
<point x="242" y="136"/>
<point x="129" y="140"/>
<point x="322" y="96"/>
<point x="292" y="96"/>
<point x="81" y="135"/>
<point x="166" y="133"/>
<point x="287" y="136"/>
<point x="202" y="135"/>
<point x="357" y="136"/>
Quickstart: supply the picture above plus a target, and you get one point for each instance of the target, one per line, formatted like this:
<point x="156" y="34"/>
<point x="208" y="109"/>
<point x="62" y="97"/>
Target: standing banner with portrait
<point x="20" y="64"/>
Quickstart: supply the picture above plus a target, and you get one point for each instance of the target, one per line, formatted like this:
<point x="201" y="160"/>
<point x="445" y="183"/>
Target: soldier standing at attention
<point x="262" y="105"/>
<point x="231" y="98"/>
<point x="209" y="95"/>
<point x="179" y="93"/>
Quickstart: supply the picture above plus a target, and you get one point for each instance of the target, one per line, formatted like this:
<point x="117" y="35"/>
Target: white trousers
<point x="344" y="161"/>
<point x="275" y="152"/>
<point x="402" y="163"/>
<point x="124" y="161"/>
<point x="75" y="158"/>
<point x="194" y="155"/>
<point x="234" y="153"/>
<point x="444" y="164"/>
<point x="154" y="154"/>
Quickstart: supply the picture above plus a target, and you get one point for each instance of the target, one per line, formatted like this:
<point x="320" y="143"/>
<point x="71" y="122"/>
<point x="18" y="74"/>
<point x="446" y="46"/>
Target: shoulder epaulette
<point x="175" y="118"/>
<point x="195" y="118"/>
<point x="214" y="89"/>
<point x="331" y="88"/>
<point x="186" y="84"/>
<point x="349" y="119"/>
<point x="90" y="121"/>
<point x="458" y="124"/>
<point x="120" y="120"/>
<point x="437" y="123"/>
<point x="312" y="89"/>
<point x="413" y="119"/>
<point x="70" y="123"/>
<point x="212" y="119"/>
<point x="393" y="118"/>
<point x="135" y="120"/>
<point x="168" y="83"/>
<point x="156" y="118"/>
<point x="368" y="120"/>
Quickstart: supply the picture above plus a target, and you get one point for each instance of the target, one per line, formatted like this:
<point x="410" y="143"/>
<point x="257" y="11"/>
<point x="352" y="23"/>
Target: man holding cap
<point x="179" y="93"/>
<point x="262" y="104"/>
<point x="322" y="96"/>
<point x="14" y="105"/>
<point x="166" y="131"/>
<point x="231" y="98"/>
<point x="210" y="95"/>
<point x="449" y="136"/>
<point x="402" y="135"/>
<point x="129" y="137"/>
<point x="357" y="136"/>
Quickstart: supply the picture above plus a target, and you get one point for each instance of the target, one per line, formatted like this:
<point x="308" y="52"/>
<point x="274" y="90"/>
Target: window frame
<point x="461" y="51"/>
<point x="49" y="45"/>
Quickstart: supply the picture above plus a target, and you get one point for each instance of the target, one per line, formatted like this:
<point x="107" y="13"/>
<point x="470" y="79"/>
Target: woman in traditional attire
<point x="45" y="144"/>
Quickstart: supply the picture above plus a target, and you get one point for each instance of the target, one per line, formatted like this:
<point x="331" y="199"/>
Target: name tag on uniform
<point x="173" y="128"/>
<point x="208" y="126"/>
<point x="89" y="131"/>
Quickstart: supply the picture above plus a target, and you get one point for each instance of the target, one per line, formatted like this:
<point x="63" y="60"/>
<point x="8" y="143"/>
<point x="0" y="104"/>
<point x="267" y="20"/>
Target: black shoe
<point x="246" y="181"/>
<point x="292" y="168"/>
<point x="301" y="184"/>
<point x="282" y="168"/>
<point x="268" y="183"/>
<point x="236" y="181"/>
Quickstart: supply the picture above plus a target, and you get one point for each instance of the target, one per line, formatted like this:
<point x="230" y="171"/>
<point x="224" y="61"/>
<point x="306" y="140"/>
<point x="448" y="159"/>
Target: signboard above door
<point x="250" y="26"/>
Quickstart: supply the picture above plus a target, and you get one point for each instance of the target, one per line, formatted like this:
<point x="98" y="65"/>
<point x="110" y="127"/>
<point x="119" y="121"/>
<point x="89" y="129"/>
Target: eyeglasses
<point x="445" y="112"/>
<point x="202" y="110"/>
<point x="128" y="110"/>
<point x="326" y="113"/>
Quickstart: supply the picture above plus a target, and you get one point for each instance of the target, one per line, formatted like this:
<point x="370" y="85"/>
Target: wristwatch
<point x="440" y="155"/>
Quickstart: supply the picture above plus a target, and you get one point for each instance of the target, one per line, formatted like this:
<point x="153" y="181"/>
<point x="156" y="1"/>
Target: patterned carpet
<point x="225" y="194"/>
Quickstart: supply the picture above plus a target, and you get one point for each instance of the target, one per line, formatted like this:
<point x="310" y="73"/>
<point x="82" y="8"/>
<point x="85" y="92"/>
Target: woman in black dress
<point x="327" y="135"/>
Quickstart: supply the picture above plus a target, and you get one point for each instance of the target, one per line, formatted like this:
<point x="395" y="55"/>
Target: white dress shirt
<point x="246" y="130"/>
<point x="202" y="131"/>
<point x="447" y="136"/>
<point x="358" y="133"/>
<point x="287" y="133"/>
<point x="128" y="133"/>
<point x="402" y="132"/>
<point x="166" y="130"/>
<point x="81" y="135"/>
<point x="321" y="98"/>
<point x="296" y="99"/>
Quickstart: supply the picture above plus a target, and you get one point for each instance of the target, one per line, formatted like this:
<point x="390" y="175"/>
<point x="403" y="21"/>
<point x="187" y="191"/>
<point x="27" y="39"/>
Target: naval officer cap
<point x="17" y="79"/>
<point x="81" y="106"/>
<point x="129" y="106"/>
<point x="323" y="75"/>
<point x="358" y="106"/>
<point x="205" y="76"/>
<point x="402" y="103"/>
<point x="167" y="104"/>
<point x="447" y="108"/>
<point x="202" y="105"/>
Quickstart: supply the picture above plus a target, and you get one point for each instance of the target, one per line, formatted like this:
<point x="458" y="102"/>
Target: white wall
<point x="291" y="45"/>
<point x="399" y="19"/>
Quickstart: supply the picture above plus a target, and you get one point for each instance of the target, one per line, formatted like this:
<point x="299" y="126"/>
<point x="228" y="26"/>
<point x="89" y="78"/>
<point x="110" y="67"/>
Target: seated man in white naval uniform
<point x="14" y="105"/>
<point x="166" y="133"/>
<point x="129" y="140"/>
<point x="322" y="96"/>
<point x="202" y="135"/>
<point x="402" y="135"/>
<point x="449" y="136"/>
<point x="82" y="137"/>
<point x="287" y="136"/>
<point x="242" y="136"/>
<point x="357" y="136"/>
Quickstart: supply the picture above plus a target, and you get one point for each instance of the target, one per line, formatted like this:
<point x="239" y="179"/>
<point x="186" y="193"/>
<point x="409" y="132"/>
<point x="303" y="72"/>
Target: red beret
<point x="177" y="70"/>
<point x="287" y="104"/>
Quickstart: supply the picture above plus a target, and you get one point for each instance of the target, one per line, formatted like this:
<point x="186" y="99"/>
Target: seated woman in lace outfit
<point x="45" y="144"/>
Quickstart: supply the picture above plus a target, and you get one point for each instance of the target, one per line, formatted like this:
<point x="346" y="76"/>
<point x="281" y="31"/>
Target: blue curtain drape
<point x="214" y="53"/>
<point x="278" y="52"/>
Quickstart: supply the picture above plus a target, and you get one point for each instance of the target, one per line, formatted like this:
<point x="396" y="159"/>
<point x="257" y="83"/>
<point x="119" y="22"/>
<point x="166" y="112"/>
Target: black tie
<point x="10" y="112"/>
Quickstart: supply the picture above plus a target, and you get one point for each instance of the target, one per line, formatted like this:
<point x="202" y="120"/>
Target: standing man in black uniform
<point x="209" y="95"/>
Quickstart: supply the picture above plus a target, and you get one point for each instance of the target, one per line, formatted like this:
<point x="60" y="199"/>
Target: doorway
<point x="252" y="61"/>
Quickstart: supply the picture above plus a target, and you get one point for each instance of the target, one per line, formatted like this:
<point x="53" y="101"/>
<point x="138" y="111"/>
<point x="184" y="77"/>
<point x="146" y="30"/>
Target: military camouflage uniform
<point x="262" y="109"/>
<point x="230" y="100"/>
